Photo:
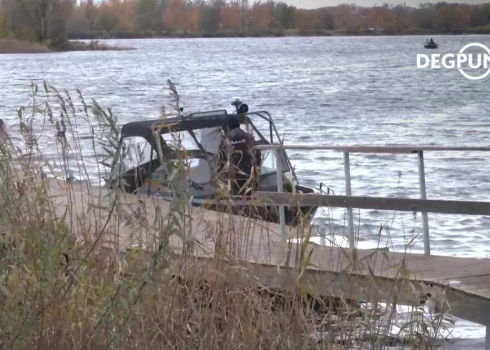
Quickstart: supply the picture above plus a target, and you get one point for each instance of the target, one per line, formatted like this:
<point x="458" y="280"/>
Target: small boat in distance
<point x="430" y="44"/>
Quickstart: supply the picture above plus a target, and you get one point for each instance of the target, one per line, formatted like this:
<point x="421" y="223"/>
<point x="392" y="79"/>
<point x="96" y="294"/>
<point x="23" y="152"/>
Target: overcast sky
<point x="321" y="3"/>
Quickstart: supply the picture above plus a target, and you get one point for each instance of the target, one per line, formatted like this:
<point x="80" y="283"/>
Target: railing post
<point x="423" y="195"/>
<point x="323" y="232"/>
<point x="348" y="192"/>
<point x="280" y="189"/>
<point x="487" y="338"/>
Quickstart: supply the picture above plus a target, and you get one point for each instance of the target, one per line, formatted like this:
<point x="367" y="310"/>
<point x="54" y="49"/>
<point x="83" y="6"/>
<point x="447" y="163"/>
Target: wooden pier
<point x="364" y="275"/>
<point x="268" y="255"/>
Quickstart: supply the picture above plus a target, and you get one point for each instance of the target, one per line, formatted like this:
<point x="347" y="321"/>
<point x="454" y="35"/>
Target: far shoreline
<point x="16" y="46"/>
<point x="97" y="43"/>
<point x="285" y="34"/>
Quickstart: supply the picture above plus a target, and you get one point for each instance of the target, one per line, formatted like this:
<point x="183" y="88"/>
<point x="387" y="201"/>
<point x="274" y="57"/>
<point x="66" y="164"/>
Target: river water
<point x="335" y="91"/>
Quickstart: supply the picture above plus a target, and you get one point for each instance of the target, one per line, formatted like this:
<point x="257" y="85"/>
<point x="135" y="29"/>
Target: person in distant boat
<point x="243" y="159"/>
<point x="431" y="41"/>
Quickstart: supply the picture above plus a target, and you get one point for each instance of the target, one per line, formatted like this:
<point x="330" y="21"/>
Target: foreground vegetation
<point x="65" y="284"/>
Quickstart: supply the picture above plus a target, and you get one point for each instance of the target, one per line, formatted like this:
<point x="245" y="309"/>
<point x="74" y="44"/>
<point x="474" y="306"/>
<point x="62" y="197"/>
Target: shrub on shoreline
<point x="94" y="45"/>
<point x="12" y="45"/>
<point x="16" y="46"/>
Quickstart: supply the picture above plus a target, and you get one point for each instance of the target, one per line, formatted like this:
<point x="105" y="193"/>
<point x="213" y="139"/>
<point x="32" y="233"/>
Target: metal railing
<point x="347" y="150"/>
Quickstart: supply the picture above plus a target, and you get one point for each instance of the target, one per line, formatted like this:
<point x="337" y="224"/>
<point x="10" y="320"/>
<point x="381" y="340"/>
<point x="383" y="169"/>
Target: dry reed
<point x="81" y="268"/>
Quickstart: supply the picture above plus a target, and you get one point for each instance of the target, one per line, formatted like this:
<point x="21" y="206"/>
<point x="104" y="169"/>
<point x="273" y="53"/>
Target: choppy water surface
<point x="320" y="90"/>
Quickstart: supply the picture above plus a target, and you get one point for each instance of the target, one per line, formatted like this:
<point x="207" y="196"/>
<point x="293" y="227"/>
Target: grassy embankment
<point x="102" y="298"/>
<point x="13" y="45"/>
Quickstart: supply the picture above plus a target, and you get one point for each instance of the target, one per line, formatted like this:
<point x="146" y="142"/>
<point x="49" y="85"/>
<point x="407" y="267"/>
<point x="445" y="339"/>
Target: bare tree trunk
<point x="244" y="4"/>
<point x="39" y="12"/>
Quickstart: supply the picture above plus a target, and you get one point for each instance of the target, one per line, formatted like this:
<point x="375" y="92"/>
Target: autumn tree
<point x="39" y="13"/>
<point x="57" y="19"/>
<point x="402" y="18"/>
<point x="383" y="17"/>
<point x="57" y="33"/>
<point x="107" y="19"/>
<point x="77" y="25"/>
<point x="451" y="16"/>
<point x="126" y="19"/>
<point x="231" y="17"/>
<point x="324" y="19"/>
<point x="149" y="14"/>
<point x="308" y="21"/>
<point x="302" y="21"/>
<point x="423" y="17"/>
<point x="90" y="11"/>
<point x="244" y="5"/>
<point x="261" y="17"/>
<point x="464" y="16"/>
<point x="39" y="20"/>
<point x="174" y="14"/>
<point x="377" y="16"/>
<point x="480" y="15"/>
<point x="4" y="21"/>
<point x="210" y="17"/>
<point x="350" y="18"/>
<point x="284" y="15"/>
<point x="17" y="21"/>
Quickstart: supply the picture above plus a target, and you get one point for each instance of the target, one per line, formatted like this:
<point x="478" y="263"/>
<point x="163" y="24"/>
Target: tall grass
<point x="85" y="267"/>
<point x="13" y="46"/>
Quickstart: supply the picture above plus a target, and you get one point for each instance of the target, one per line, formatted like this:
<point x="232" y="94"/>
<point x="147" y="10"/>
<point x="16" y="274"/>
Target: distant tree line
<point x="55" y="21"/>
